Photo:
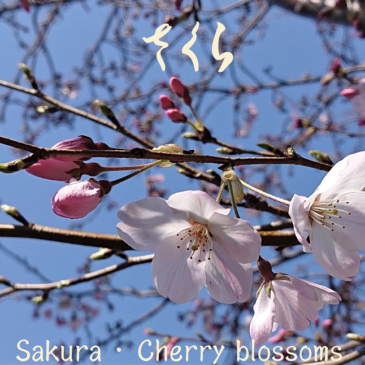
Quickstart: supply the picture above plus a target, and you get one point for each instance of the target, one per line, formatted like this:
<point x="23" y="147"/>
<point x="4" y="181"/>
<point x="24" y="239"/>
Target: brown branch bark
<point x="36" y="231"/>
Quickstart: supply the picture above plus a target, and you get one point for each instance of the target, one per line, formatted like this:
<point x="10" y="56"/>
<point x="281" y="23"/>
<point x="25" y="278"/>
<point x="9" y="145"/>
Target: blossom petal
<point x="175" y="275"/>
<point x="293" y="309"/>
<point x="147" y="222"/>
<point x="195" y="205"/>
<point x="324" y="295"/>
<point x="237" y="237"/>
<point x="263" y="321"/>
<point x="353" y="235"/>
<point x="228" y="281"/>
<point x="300" y="217"/>
<point x="346" y="176"/>
<point x="338" y="261"/>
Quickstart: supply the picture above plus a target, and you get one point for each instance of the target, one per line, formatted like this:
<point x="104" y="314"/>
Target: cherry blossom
<point x="196" y="244"/>
<point x="286" y="301"/>
<point x="333" y="218"/>
<point x="79" y="198"/>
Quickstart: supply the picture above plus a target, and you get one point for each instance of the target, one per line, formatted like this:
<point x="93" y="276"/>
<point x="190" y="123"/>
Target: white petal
<point x="227" y="281"/>
<point x="336" y="260"/>
<point x="175" y="275"/>
<point x="300" y="218"/>
<point x="295" y="306"/>
<point x="195" y="205"/>
<point x="324" y="295"/>
<point x="237" y="237"/>
<point x="353" y="235"/>
<point x="147" y="222"/>
<point x="347" y="176"/>
<point x="263" y="321"/>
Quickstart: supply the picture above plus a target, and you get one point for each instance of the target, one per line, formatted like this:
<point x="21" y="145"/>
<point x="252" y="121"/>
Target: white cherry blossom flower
<point x="196" y="244"/>
<point x="333" y="218"/>
<point x="286" y="301"/>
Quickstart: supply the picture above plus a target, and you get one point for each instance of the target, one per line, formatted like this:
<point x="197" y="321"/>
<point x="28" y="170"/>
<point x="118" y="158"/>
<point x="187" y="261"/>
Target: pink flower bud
<point x="316" y="321"/>
<point x="53" y="169"/>
<point x="336" y="66"/>
<point x="361" y="122"/>
<point x="349" y="93"/>
<point x="25" y="5"/>
<point x="166" y="103"/>
<point x="176" y="115"/>
<point x="79" y="198"/>
<point x="79" y="143"/>
<point x="180" y="89"/>
<point x="177" y="4"/>
<point x="280" y="336"/>
<point x="327" y="323"/>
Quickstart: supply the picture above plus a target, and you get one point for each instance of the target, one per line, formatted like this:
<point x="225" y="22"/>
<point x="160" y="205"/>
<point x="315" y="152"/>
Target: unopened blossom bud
<point x="28" y="73"/>
<point x="190" y="135"/>
<point x="52" y="169"/>
<point x="336" y="66"/>
<point x="230" y="176"/>
<point x="280" y="336"/>
<point x="78" y="143"/>
<point x="14" y="213"/>
<point x="225" y="151"/>
<point x="166" y="103"/>
<point x="355" y="337"/>
<point x="79" y="198"/>
<point x="361" y="122"/>
<point x="25" y="5"/>
<point x="105" y="109"/>
<point x="177" y="4"/>
<point x="326" y="79"/>
<point x="349" y="93"/>
<point x="40" y="299"/>
<point x="168" y="148"/>
<point x="269" y="147"/>
<point x="46" y="109"/>
<point x="327" y="324"/>
<point x="316" y="321"/>
<point x="13" y="166"/>
<point x="102" y="254"/>
<point x="176" y="115"/>
<point x="265" y="269"/>
<point x="180" y="89"/>
<point x="63" y="284"/>
<point x="4" y="281"/>
<point x="321" y="157"/>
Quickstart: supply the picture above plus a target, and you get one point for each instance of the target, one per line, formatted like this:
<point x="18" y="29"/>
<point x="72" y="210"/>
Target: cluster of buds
<point x="65" y="168"/>
<point x="336" y="72"/>
<point x="172" y="111"/>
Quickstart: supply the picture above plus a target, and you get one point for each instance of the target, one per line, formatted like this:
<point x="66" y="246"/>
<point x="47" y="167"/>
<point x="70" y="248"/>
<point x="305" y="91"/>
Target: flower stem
<point x="220" y="193"/>
<point x="266" y="195"/>
<point x="193" y="112"/>
<point x="123" y="168"/>
<point x="148" y="166"/>
<point x="233" y="201"/>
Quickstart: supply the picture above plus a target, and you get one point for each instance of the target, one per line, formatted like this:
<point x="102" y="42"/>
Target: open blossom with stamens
<point x="333" y="218"/>
<point x="286" y="301"/>
<point x="196" y="243"/>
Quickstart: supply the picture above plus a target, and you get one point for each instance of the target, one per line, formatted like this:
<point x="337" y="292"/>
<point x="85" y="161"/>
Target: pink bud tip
<point x="166" y="103"/>
<point x="25" y="5"/>
<point x="54" y="169"/>
<point x="79" y="143"/>
<point x="316" y="321"/>
<point x="176" y="115"/>
<point x="327" y="323"/>
<point x="177" y="4"/>
<point x="78" y="198"/>
<point x="336" y="65"/>
<point x="361" y="122"/>
<point x="298" y="123"/>
<point x="349" y="93"/>
<point x="180" y="89"/>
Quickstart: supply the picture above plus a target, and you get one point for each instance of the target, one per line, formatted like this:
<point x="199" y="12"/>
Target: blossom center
<point x="196" y="239"/>
<point x="324" y="213"/>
